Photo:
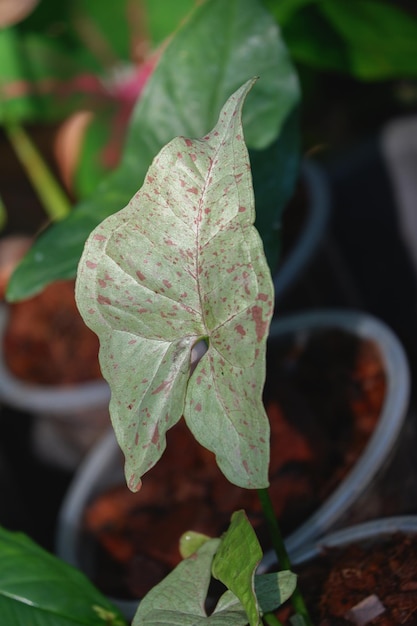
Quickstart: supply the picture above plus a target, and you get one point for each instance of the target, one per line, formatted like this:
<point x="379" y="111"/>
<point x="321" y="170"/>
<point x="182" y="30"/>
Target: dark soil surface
<point x="364" y="584"/>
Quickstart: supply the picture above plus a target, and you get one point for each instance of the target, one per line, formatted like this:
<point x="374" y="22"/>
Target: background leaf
<point x="38" y="588"/>
<point x="183" y="262"/>
<point x="217" y="49"/>
<point x="369" y="39"/>
<point x="55" y="61"/>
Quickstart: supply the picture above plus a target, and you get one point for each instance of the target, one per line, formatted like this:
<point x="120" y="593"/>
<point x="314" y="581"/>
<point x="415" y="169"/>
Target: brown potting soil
<point x="47" y="342"/>
<point x="323" y="399"/>
<point x="372" y="583"/>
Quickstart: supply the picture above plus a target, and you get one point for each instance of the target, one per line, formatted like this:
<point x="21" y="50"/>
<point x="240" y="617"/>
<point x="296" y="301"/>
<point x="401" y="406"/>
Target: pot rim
<point x="357" y="533"/>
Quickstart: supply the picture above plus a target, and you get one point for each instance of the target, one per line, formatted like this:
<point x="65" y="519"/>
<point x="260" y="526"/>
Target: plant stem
<point x="53" y="198"/>
<point x="297" y="599"/>
<point x="271" y="620"/>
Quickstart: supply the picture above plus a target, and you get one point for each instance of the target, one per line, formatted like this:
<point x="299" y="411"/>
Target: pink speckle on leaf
<point x="140" y="275"/>
<point x="91" y="265"/>
<point x="155" y="436"/>
<point x="103" y="299"/>
<point x="161" y="387"/>
<point x="260" y="325"/>
<point x="239" y="328"/>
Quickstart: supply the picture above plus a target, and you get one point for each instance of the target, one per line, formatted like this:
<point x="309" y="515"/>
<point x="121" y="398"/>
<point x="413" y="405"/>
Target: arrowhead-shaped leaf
<point x="38" y="588"/>
<point x="183" y="262"/>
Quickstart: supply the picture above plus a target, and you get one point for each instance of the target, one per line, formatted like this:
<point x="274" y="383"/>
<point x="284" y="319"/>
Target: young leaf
<point x="179" y="599"/>
<point x="38" y="588"/>
<point x="190" y="542"/>
<point x="183" y="262"/>
<point x="235" y="567"/>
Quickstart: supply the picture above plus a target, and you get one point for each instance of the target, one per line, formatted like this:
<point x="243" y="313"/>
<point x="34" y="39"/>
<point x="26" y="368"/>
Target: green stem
<point x="53" y="198"/>
<point x="281" y="552"/>
<point x="271" y="620"/>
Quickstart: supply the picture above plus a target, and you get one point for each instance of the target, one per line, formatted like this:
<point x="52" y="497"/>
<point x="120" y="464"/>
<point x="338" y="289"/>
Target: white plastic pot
<point x="69" y="420"/>
<point x="381" y="444"/>
<point x="103" y="467"/>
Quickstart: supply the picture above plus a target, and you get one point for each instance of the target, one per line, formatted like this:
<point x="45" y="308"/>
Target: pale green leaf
<point x="180" y="263"/>
<point x="38" y="588"/>
<point x="236" y="567"/>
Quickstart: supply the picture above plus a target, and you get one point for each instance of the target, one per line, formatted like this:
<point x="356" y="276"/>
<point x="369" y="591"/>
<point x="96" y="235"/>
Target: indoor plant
<point x="228" y="188"/>
<point x="186" y="306"/>
<point x="229" y="314"/>
<point x="211" y="545"/>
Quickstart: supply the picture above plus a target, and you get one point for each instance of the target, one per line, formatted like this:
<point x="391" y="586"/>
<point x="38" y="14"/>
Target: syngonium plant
<point x="182" y="266"/>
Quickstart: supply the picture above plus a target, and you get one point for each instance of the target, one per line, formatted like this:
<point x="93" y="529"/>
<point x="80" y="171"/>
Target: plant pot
<point x="102" y="470"/>
<point x="69" y="416"/>
<point x="381" y="445"/>
<point x="364" y="574"/>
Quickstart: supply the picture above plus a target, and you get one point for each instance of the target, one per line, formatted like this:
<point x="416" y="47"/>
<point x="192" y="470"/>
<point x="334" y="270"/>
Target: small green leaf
<point x="190" y="542"/>
<point x="180" y="598"/>
<point x="38" y="588"/>
<point x="236" y="567"/>
<point x="272" y="590"/>
<point x="183" y="262"/>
